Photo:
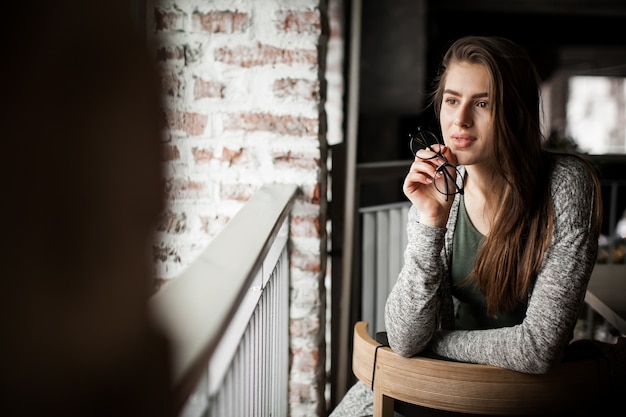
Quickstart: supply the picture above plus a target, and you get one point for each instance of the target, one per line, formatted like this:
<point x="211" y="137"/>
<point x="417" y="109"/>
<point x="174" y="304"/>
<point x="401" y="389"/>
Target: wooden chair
<point x="467" y="388"/>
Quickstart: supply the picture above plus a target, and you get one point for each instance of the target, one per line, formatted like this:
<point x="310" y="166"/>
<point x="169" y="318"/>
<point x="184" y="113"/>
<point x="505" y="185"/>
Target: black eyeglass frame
<point x="419" y="141"/>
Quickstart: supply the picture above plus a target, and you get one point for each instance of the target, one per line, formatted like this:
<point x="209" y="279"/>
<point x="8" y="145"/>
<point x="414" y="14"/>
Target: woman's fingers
<point x="427" y="185"/>
<point x="421" y="173"/>
<point x="426" y="167"/>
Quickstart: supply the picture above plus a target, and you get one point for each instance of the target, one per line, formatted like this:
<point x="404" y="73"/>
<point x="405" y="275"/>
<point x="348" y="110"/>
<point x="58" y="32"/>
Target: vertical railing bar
<point x="368" y="267"/>
<point x="261" y="387"/>
<point x="276" y="355"/>
<point x="236" y="378"/>
<point x="239" y="386"/>
<point x="250" y="372"/>
<point x="223" y="396"/>
<point x="395" y="249"/>
<point x="269" y="341"/>
<point x="382" y="267"/>
<point x="383" y="240"/>
<point x="267" y="333"/>
<point x="258" y="359"/>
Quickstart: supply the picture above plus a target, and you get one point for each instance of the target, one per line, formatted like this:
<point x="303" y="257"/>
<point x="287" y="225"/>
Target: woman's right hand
<point x="420" y="190"/>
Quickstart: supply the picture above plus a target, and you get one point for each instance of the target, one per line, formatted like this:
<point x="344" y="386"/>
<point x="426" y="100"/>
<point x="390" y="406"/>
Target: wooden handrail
<point x="196" y="307"/>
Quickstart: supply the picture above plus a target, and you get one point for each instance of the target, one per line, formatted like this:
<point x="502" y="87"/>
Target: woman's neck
<point x="482" y="196"/>
<point x="483" y="181"/>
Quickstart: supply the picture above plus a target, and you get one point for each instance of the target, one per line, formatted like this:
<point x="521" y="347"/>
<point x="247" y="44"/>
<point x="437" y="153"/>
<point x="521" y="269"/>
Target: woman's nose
<point x="463" y="118"/>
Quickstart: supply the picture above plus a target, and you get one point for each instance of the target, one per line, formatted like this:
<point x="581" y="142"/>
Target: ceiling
<point x="583" y="7"/>
<point x="572" y="33"/>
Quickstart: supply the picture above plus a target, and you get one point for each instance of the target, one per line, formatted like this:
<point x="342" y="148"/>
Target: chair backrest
<point x="471" y="388"/>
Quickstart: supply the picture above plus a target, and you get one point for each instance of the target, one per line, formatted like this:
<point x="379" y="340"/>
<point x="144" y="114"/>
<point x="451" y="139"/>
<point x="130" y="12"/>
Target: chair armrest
<point x="473" y="388"/>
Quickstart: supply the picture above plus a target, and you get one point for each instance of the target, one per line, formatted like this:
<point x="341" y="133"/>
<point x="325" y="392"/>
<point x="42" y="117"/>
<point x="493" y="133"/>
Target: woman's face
<point x="465" y="117"/>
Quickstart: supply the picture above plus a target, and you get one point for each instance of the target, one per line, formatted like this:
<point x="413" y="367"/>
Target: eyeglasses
<point x="446" y="182"/>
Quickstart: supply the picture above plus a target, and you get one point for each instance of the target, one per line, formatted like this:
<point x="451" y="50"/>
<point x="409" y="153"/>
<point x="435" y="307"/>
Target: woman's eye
<point x="451" y="100"/>
<point x="482" y="104"/>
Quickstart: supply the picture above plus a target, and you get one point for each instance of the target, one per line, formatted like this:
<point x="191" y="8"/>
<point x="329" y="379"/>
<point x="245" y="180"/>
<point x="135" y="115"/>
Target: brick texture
<point x="221" y="21"/>
<point x="281" y="124"/>
<point x="262" y="54"/>
<point x="299" y="21"/>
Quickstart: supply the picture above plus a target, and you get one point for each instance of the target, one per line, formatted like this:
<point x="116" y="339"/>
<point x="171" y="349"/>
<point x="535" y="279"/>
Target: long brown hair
<point x="521" y="231"/>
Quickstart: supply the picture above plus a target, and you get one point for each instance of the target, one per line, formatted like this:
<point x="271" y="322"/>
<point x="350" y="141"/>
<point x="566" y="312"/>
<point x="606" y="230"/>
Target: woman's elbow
<point x="407" y="345"/>
<point x="406" y="351"/>
<point x="535" y="363"/>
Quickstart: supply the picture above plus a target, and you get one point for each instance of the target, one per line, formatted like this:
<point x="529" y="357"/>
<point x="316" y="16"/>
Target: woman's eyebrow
<point x="456" y="93"/>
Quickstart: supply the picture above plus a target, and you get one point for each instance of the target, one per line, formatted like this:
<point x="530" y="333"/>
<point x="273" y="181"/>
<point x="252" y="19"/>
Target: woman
<point x="502" y="243"/>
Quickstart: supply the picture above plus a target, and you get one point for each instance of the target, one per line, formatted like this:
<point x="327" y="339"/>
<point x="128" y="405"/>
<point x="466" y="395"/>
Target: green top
<point x="471" y="313"/>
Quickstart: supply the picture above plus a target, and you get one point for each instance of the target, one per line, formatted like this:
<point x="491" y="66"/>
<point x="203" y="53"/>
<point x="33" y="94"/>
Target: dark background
<point x="403" y="41"/>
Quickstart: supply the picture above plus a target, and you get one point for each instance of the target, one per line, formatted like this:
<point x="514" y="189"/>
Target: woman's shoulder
<point x="572" y="168"/>
<point x="573" y="179"/>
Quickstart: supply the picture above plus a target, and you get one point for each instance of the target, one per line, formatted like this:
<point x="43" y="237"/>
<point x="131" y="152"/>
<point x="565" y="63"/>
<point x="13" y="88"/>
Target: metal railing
<point x="383" y="241"/>
<point x="226" y="315"/>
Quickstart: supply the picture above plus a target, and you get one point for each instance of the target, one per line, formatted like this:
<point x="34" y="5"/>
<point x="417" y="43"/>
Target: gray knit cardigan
<point x="419" y="313"/>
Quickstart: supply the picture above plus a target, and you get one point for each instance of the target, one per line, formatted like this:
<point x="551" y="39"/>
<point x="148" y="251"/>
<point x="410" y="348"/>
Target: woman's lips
<point x="462" y="140"/>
